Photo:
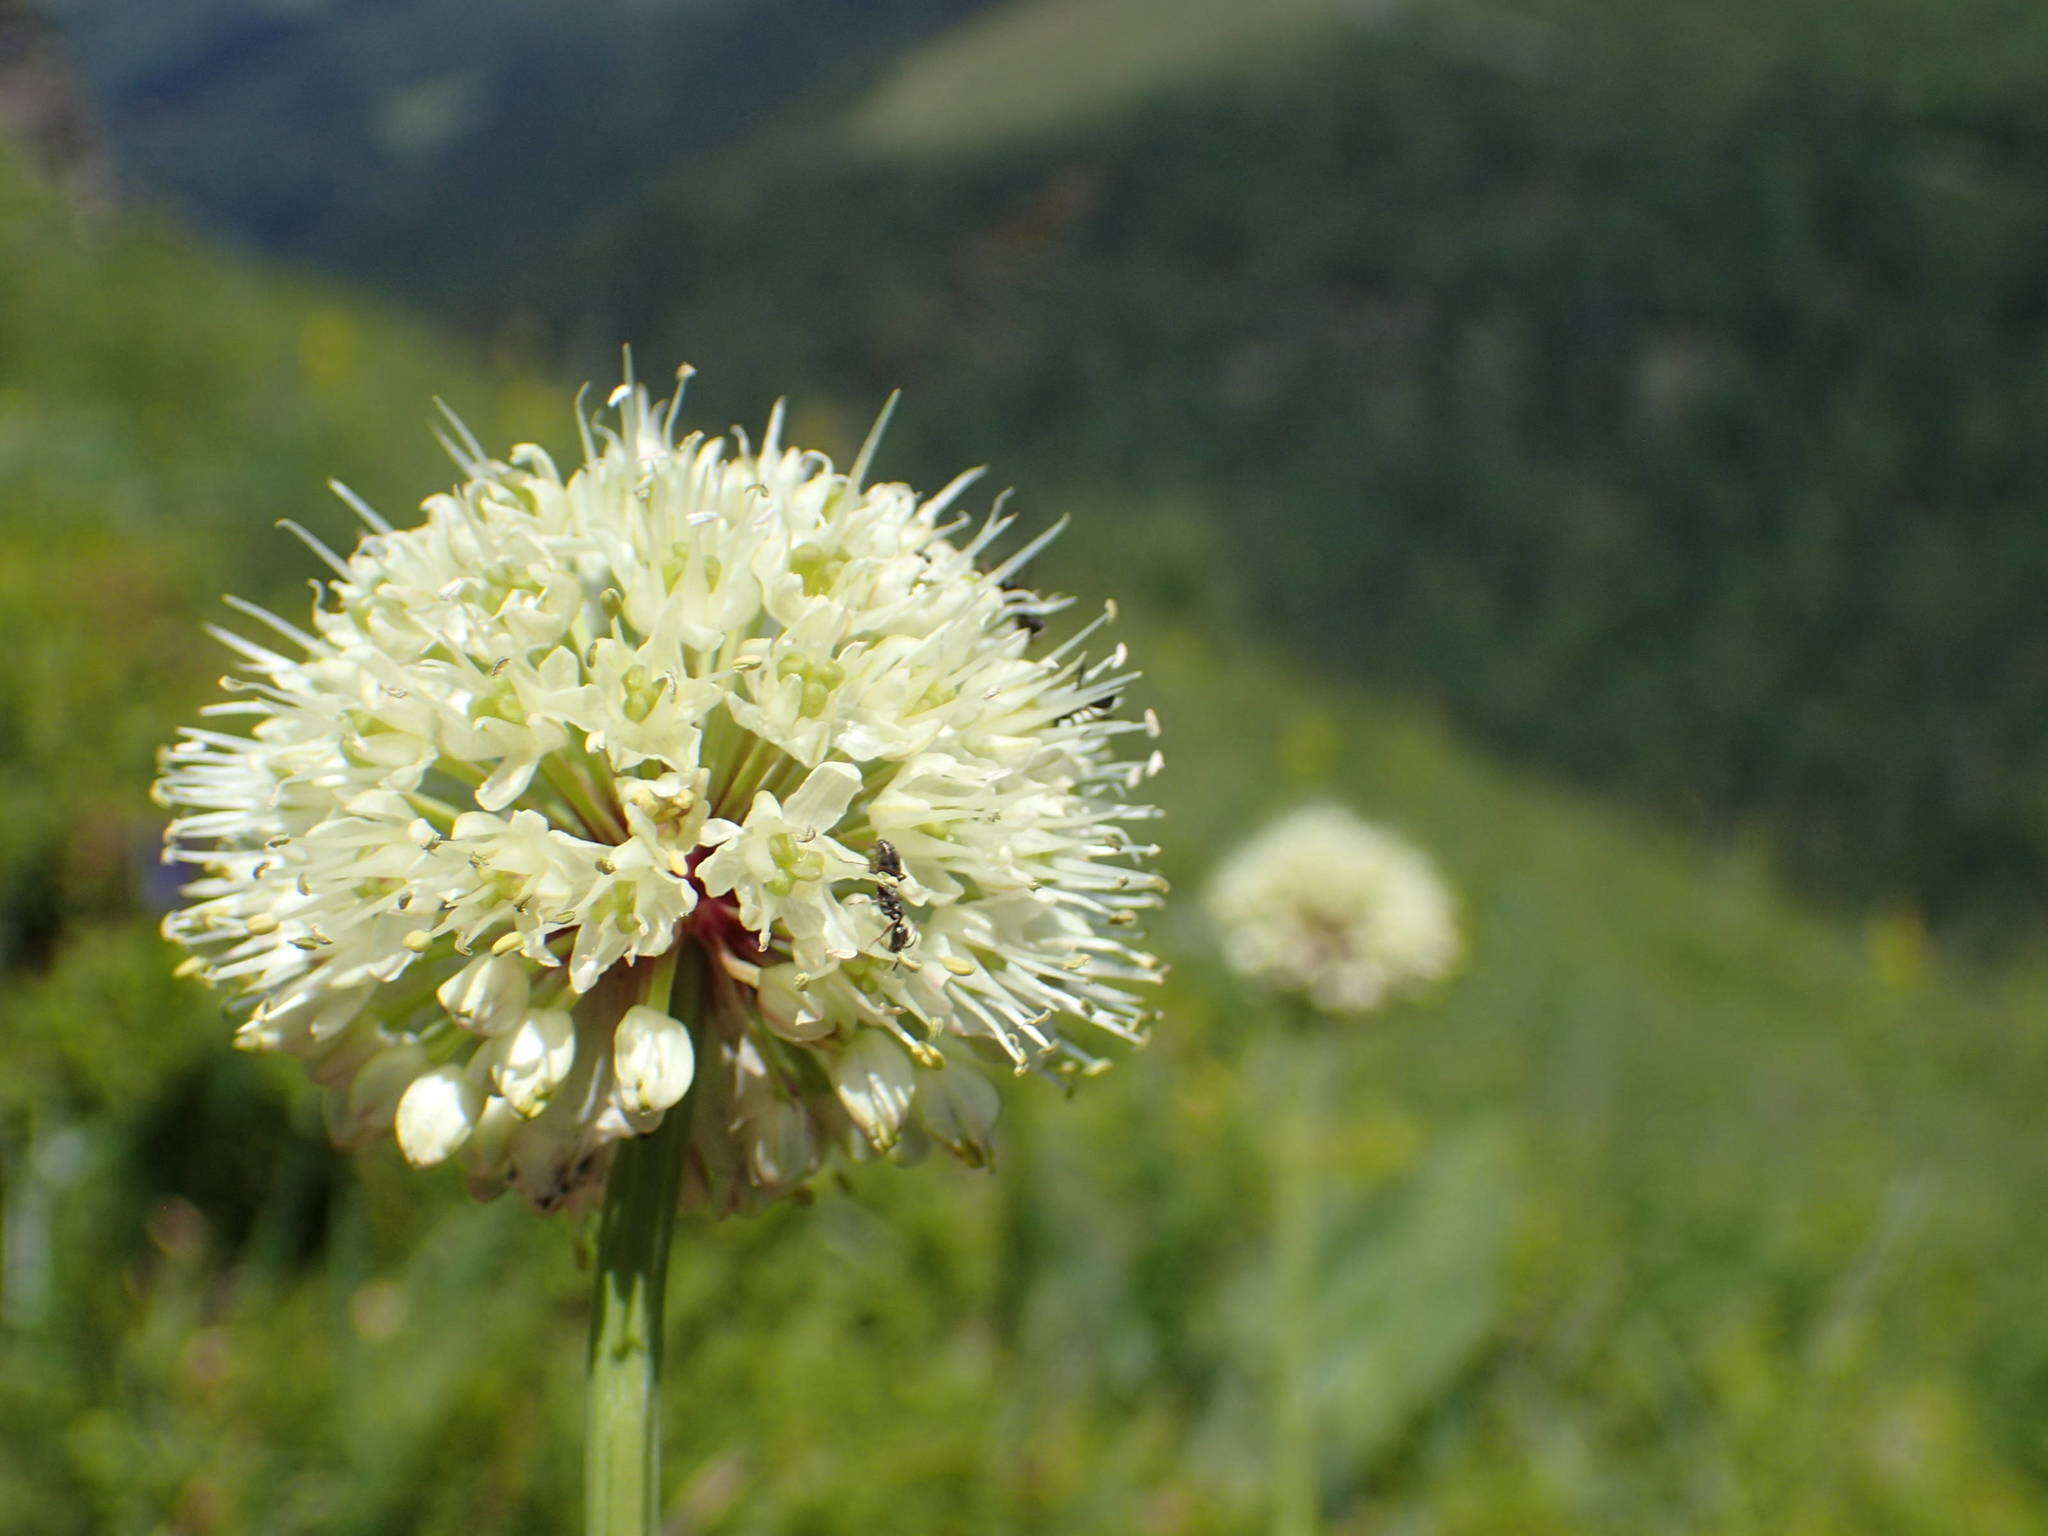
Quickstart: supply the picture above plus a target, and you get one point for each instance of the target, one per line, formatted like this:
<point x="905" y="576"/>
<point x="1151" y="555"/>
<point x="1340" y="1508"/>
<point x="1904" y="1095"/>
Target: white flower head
<point x="1335" y="909"/>
<point x="696" y="705"/>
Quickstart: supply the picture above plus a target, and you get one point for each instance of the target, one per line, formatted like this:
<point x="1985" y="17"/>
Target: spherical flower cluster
<point x="694" y="710"/>
<point x="1332" y="908"/>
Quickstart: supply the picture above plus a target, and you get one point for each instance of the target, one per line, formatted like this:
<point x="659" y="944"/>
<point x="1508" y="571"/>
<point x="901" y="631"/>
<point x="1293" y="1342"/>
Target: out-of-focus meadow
<point x="1608" y="447"/>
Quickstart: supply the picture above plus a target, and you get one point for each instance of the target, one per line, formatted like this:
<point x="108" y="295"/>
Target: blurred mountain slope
<point x="1657" y="386"/>
<point x="398" y="138"/>
<point x="43" y="111"/>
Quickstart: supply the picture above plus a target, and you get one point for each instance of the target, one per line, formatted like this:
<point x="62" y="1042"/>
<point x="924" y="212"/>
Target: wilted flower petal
<point x="369" y="1104"/>
<point x="781" y="1146"/>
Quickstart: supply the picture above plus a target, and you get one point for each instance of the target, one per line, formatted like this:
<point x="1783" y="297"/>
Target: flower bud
<point x="781" y="1150"/>
<point x="488" y="995"/>
<point x="436" y="1115"/>
<point x="654" y="1060"/>
<point x="533" y="1059"/>
<point x="366" y="1107"/>
<point x="787" y="1009"/>
<point x="875" y="1083"/>
<point x="335" y="1062"/>
<point x="959" y="1107"/>
<point x="486" y="1161"/>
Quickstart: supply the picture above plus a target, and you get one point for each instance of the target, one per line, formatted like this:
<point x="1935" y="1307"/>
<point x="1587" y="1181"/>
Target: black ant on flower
<point x="886" y="865"/>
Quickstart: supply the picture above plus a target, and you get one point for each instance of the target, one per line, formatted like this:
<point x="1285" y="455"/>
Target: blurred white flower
<point x="693" y="699"/>
<point x="1344" y="913"/>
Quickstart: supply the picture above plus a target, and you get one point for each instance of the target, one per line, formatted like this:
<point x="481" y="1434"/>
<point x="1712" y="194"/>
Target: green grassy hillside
<point x="1686" y="1210"/>
<point x="158" y="412"/>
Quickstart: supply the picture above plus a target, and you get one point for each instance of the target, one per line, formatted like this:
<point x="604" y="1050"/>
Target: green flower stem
<point x="746" y="778"/>
<point x="622" y="1406"/>
<point x="582" y="797"/>
<point x="1297" y="1166"/>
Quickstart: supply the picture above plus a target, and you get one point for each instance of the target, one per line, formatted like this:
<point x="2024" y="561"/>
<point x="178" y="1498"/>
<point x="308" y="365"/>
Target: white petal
<point x="507" y="782"/>
<point x="308" y="1022"/>
<point x="824" y="797"/>
<point x="717" y="831"/>
<point x="598" y="947"/>
<point x="724" y="869"/>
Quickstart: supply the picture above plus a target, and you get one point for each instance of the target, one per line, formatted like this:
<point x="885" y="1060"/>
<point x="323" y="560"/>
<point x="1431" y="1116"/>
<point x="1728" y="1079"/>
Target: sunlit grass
<point x="1031" y="68"/>
<point x="1026" y="71"/>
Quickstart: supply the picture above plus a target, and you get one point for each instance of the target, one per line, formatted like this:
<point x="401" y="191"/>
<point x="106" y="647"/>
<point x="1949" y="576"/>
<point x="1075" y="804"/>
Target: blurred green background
<point x="1604" y="441"/>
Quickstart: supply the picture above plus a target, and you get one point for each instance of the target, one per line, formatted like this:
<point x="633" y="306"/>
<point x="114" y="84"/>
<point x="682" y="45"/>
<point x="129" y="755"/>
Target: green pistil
<point x="820" y="680"/>
<point x="500" y="702"/>
<point x="642" y="693"/>
<point x="794" y="862"/>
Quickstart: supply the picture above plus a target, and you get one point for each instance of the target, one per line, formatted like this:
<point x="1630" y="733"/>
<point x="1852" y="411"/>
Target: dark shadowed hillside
<point x="1661" y="391"/>
<point x="1656" y="386"/>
